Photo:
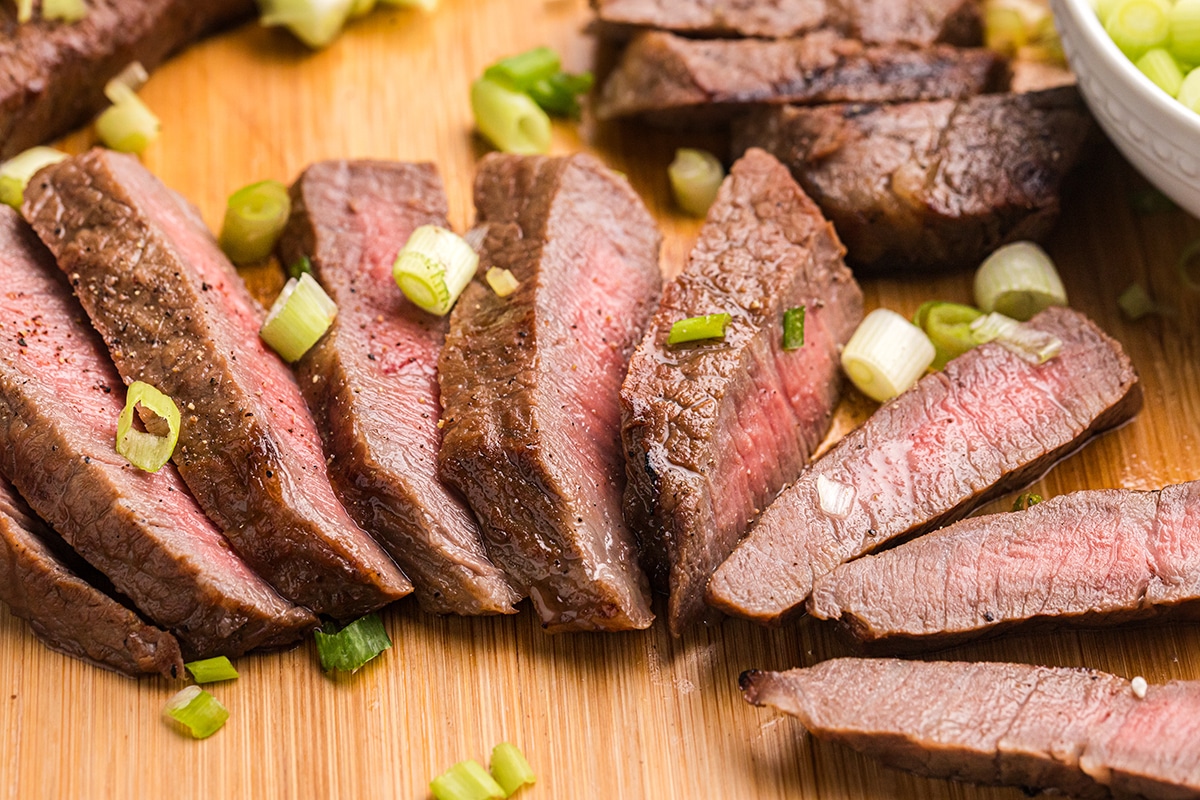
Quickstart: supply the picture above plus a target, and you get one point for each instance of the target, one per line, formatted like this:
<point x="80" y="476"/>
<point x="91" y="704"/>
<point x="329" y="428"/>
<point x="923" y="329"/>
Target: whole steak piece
<point x="175" y="314"/>
<point x="713" y="430"/>
<point x="371" y="382"/>
<point x="530" y="383"/>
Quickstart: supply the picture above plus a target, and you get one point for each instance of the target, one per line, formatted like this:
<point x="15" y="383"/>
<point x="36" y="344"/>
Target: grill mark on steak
<point x="1076" y="730"/>
<point x="371" y="382"/>
<point x="59" y="402"/>
<point x="934" y="185"/>
<point x="175" y="314"/>
<point x="54" y="72"/>
<point x="713" y="431"/>
<point x="1099" y="556"/>
<point x="677" y="81"/>
<point x="990" y="422"/>
<point x="530" y="384"/>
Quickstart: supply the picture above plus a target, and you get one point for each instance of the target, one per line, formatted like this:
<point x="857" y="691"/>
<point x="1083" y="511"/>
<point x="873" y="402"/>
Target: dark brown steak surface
<point x="990" y="422"/>
<point x="530" y="384"/>
<point x="175" y="314"/>
<point x="930" y="185"/>
<point x="371" y="382"/>
<point x="714" y="430"/>
<point x="1082" y="732"/>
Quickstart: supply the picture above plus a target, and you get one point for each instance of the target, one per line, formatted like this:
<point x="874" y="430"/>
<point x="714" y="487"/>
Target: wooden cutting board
<point x="621" y="716"/>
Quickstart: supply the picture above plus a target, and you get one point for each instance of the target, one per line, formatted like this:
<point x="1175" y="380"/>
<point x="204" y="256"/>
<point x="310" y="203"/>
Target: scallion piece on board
<point x="1189" y="91"/>
<point x="198" y="711"/>
<point x="522" y="71"/>
<point x="510" y="769"/>
<point x="696" y="329"/>
<point x="1018" y="280"/>
<point x="1162" y="69"/>
<point x="1026" y="501"/>
<point x="1135" y="302"/>
<point x="16" y="173"/>
<point x="126" y="82"/>
<point x="559" y="94"/>
<point x="1139" y="25"/>
<point x="1189" y="266"/>
<point x="1185" y="31"/>
<point x="128" y="126"/>
<point x="315" y="22"/>
<point x="434" y="267"/>
<point x="466" y="780"/>
<point x="212" y="670"/>
<point x="502" y="281"/>
<point x="948" y="326"/>
<point x="360" y="8"/>
<point x="696" y="176"/>
<point x="886" y="355"/>
<point x="24" y="10"/>
<point x="353" y="646"/>
<point x="1031" y="344"/>
<point x="509" y="119"/>
<point x="300" y="267"/>
<point x="149" y="449"/>
<point x="298" y="319"/>
<point x="64" y="10"/>
<point x="255" y="217"/>
<point x="793" y="328"/>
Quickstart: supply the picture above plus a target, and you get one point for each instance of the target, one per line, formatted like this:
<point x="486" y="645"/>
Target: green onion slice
<point x="793" y="328"/>
<point x="1185" y="31"/>
<point x="1189" y="91"/>
<point x="16" y="173"/>
<point x="510" y="769"/>
<point x="695" y="329"/>
<point x="148" y="450"/>
<point x="696" y="176"/>
<point x="360" y="8"/>
<point x="212" y="670"/>
<point x="559" y="94"/>
<point x="1189" y="266"/>
<point x="1031" y="344"/>
<point x="1162" y="69"/>
<point x="1026" y="501"/>
<point x="298" y="319"/>
<point x="300" y="267"/>
<point x="1019" y="280"/>
<point x="509" y="119"/>
<point x="126" y="82"/>
<point x="128" y="126"/>
<point x="353" y="646"/>
<point x="24" y="10"/>
<point x="522" y="71"/>
<point x="1135" y="302"/>
<point x="64" y="10"/>
<point x="886" y="355"/>
<point x="502" y="281"/>
<point x="466" y="780"/>
<point x="255" y="217"/>
<point x="198" y="711"/>
<point x="1139" y="25"/>
<point x="948" y="326"/>
<point x="315" y="22"/>
<point x="434" y="267"/>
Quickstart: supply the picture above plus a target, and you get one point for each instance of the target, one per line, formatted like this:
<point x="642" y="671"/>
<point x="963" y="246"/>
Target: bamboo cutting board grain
<point x="628" y="716"/>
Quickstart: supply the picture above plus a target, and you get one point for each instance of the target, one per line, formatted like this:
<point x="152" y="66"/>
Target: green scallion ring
<point x="148" y="450"/>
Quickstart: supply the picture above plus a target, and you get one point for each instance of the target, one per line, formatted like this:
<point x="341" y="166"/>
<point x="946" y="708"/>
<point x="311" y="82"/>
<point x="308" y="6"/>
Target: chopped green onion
<point x="1019" y="280"/>
<point x="509" y="119"/>
<point x="1150" y="201"/>
<point x="148" y="450"/>
<point x="502" y="281"/>
<point x="1135" y="303"/>
<point x="1004" y="29"/>
<point x="522" y="71"/>
<point x="695" y="329"/>
<point x="298" y="319"/>
<point x="24" y="10"/>
<point x="126" y="82"/>
<point x="255" y="217"/>
<point x="466" y="780"/>
<point x="434" y="267"/>
<point x="212" y="670"/>
<point x="315" y="22"/>
<point x="16" y="173"/>
<point x="300" y="267"/>
<point x="510" y="769"/>
<point x="1031" y="344"/>
<point x="360" y="8"/>
<point x="1189" y="91"/>
<point x="1139" y="25"/>
<point x="353" y="646"/>
<point x="1104" y="9"/>
<point x="559" y="94"/>
<point x="198" y="711"/>
<point x="128" y="126"/>
<point x="793" y="328"/>
<point x="948" y="326"/>
<point x="886" y="355"/>
<point x="1188" y="266"/>
<point x="696" y="176"/>
<point x="1185" y="31"/>
<point x="64" y="10"/>
<point x="1026" y="501"/>
<point x="1162" y="69"/>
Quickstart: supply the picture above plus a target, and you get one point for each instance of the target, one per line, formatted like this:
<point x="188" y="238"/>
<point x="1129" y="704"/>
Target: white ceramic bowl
<point x="1157" y="134"/>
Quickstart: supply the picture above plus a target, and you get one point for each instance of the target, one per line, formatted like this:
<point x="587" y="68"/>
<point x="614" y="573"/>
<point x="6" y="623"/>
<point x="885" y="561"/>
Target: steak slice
<point x="175" y="314"/>
<point x="54" y="72"/>
<point x="371" y="383"/>
<point x="530" y="384"/>
<point x="714" y="430"/>
<point x="990" y="422"/>
<point x="59" y="402"/>
<point x="932" y="185"/>
<point x="1080" y="558"/>
<point x="1080" y="731"/>
<point x="42" y="582"/>
<point x="673" y="80"/>
<point x="914" y="22"/>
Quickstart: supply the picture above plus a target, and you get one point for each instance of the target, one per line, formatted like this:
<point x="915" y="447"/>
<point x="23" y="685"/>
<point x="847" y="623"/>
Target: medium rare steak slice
<point x="530" y="384"/>
<point x="930" y="185"/>
<point x="990" y="422"/>
<point x="673" y="80"/>
<point x="59" y="402"/>
<point x="1080" y="558"/>
<point x="54" y="72"/>
<point x="1083" y="732"/>
<point x="371" y="382"/>
<point x="175" y="314"/>
<point x="714" y="430"/>
<point x="42" y="582"/>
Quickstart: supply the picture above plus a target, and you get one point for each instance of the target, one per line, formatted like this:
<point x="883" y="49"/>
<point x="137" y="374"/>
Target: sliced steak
<point x="989" y="423"/>
<point x="530" y="384"/>
<point x="175" y="314"/>
<point x="371" y="383"/>
<point x="677" y="81"/>
<point x="54" y="72"/>
<point x="932" y="185"/>
<point x="714" y="430"/>
<point x="59" y="402"/>
<point x="1079" y="731"/>
<point x="1081" y="558"/>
